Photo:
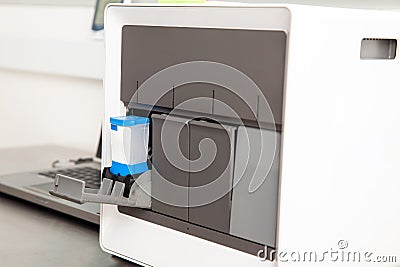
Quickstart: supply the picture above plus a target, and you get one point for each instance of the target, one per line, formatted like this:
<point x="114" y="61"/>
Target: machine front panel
<point x="226" y="211"/>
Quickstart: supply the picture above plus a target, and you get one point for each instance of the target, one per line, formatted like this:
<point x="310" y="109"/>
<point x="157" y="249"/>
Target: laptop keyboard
<point x="88" y="174"/>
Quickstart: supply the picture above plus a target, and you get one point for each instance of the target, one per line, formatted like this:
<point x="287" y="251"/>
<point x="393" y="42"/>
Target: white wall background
<point x="51" y="72"/>
<point x="39" y="109"/>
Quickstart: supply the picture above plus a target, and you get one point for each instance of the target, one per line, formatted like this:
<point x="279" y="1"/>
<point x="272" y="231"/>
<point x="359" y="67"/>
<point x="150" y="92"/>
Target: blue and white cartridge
<point x="129" y="145"/>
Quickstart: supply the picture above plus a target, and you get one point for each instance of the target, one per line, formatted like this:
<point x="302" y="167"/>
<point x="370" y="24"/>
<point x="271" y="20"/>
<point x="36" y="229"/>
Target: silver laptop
<point x="35" y="186"/>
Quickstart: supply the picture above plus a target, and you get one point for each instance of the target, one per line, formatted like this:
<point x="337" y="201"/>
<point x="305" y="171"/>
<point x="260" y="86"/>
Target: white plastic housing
<point x="339" y="177"/>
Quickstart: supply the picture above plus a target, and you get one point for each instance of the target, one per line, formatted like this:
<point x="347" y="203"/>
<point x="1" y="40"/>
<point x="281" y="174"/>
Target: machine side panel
<point x="254" y="214"/>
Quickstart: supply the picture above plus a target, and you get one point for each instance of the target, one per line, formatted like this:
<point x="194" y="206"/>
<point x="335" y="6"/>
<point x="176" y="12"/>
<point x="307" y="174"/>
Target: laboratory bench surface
<point x="31" y="235"/>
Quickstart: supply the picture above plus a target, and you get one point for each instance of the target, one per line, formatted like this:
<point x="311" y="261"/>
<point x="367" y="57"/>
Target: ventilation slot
<point x="372" y="48"/>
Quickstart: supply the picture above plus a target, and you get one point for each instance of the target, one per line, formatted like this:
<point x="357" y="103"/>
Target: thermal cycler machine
<point x="247" y="133"/>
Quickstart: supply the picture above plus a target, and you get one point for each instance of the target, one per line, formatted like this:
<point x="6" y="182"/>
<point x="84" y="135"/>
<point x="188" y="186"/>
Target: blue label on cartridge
<point x="114" y="127"/>
<point x="124" y="169"/>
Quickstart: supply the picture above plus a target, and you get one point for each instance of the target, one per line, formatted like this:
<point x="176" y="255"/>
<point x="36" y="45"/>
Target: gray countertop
<point x="31" y="235"/>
